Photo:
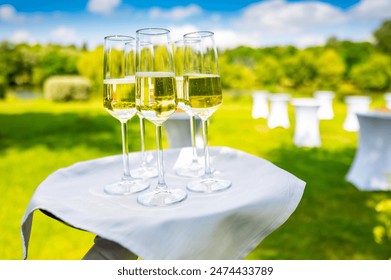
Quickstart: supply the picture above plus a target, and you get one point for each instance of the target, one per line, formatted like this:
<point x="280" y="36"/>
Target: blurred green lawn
<point x="333" y="220"/>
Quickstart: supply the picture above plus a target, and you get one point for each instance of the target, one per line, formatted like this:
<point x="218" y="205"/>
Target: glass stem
<point x="160" y="167"/>
<point x="208" y="172"/>
<point x="142" y="136"/>
<point x="125" y="148"/>
<point x="193" y="137"/>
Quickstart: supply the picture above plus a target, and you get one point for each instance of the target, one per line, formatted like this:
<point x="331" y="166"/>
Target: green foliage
<point x="55" y="60"/>
<point x="383" y="37"/>
<point x="242" y="55"/>
<point x="354" y="53"/>
<point x="300" y="69"/>
<point x="373" y="74"/>
<point x="13" y="67"/>
<point x="67" y="88"/>
<point x="330" y="69"/>
<point x="268" y="71"/>
<point x="346" y="89"/>
<point x="277" y="67"/>
<point x="382" y="232"/>
<point x="90" y="65"/>
<point x="2" y="88"/>
<point x="235" y="75"/>
<point x="23" y="64"/>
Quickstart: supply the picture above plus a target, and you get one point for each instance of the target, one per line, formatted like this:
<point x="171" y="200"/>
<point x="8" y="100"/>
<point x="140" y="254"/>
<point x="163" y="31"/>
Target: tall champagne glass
<point x="156" y="101"/>
<point x="203" y="89"/>
<point x="193" y="168"/>
<point x="119" y="101"/>
<point x="145" y="170"/>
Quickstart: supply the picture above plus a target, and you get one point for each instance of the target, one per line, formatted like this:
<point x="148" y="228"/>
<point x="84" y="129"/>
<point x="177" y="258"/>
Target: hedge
<point x="67" y="88"/>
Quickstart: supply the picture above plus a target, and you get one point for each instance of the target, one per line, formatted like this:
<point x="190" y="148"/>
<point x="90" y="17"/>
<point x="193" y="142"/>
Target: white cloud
<point x="266" y="23"/>
<point x="64" y="35"/>
<point x="226" y="39"/>
<point x="9" y="14"/>
<point x="372" y="9"/>
<point x="104" y="7"/>
<point x="177" y="32"/>
<point x="310" y="40"/>
<point x="22" y="36"/>
<point x="176" y="12"/>
<point x="282" y="16"/>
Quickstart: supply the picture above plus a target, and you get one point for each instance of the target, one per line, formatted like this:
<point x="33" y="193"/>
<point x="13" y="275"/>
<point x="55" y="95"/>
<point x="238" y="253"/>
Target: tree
<point x="300" y="69"/>
<point x="56" y="60"/>
<point x="235" y="75"/>
<point x="354" y="53"/>
<point x="90" y="65"/>
<point x="383" y="37"/>
<point x="269" y="71"/>
<point x="330" y="69"/>
<point x="11" y="66"/>
<point x="373" y="74"/>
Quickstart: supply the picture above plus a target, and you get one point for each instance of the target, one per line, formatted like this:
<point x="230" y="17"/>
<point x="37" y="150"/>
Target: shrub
<point x="373" y="74"/>
<point x="3" y="88"/>
<point x="330" y="69"/>
<point x="346" y="89"/>
<point x="67" y="88"/>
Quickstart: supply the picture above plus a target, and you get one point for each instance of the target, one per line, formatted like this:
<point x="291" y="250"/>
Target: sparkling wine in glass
<point x="192" y="168"/>
<point x="202" y="87"/>
<point x="119" y="101"/>
<point x="156" y="101"/>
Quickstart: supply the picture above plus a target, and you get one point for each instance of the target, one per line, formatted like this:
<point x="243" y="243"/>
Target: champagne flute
<point x="156" y="101"/>
<point x="194" y="168"/>
<point x="119" y="101"/>
<point x="202" y="87"/>
<point x="145" y="170"/>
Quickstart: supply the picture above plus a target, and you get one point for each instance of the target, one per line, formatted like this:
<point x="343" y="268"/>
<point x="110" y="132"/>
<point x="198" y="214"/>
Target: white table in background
<point x="325" y="99"/>
<point x="260" y="107"/>
<point x="278" y="116"/>
<point x="371" y="168"/>
<point x="387" y="98"/>
<point x="177" y="129"/>
<point x="355" y="104"/>
<point x="223" y="225"/>
<point x="306" y="122"/>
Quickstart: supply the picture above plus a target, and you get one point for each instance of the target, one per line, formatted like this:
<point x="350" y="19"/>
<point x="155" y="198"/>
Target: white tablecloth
<point x="224" y="225"/>
<point x="371" y="168"/>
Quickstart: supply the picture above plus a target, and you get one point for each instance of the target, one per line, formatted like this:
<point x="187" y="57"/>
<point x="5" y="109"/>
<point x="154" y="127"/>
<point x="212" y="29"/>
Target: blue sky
<point x="255" y="23"/>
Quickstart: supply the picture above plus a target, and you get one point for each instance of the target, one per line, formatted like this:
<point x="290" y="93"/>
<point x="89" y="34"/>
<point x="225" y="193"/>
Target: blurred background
<point x="297" y="47"/>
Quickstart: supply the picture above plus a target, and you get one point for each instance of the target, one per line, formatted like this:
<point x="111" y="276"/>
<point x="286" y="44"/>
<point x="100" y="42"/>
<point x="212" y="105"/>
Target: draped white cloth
<point x="278" y="116"/>
<point x="371" y="168"/>
<point x="223" y="225"/>
<point x="307" y="122"/>
<point x="260" y="107"/>
<point x="355" y="104"/>
<point x="325" y="98"/>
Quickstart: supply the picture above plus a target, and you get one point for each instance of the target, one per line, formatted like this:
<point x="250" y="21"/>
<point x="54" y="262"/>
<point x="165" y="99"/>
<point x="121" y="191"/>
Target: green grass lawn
<point x="333" y="220"/>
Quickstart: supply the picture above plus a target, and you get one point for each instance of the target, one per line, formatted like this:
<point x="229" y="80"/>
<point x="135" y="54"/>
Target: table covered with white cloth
<point x="371" y="167"/>
<point x="222" y="225"/>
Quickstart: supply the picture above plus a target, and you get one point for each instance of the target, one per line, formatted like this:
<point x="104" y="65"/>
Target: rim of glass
<point x="198" y="34"/>
<point x="119" y="38"/>
<point x="153" y="31"/>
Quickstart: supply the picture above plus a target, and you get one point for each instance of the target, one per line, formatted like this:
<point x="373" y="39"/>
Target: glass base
<point x="126" y="187"/>
<point x="144" y="172"/>
<point x="162" y="197"/>
<point x="191" y="170"/>
<point x="209" y="185"/>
